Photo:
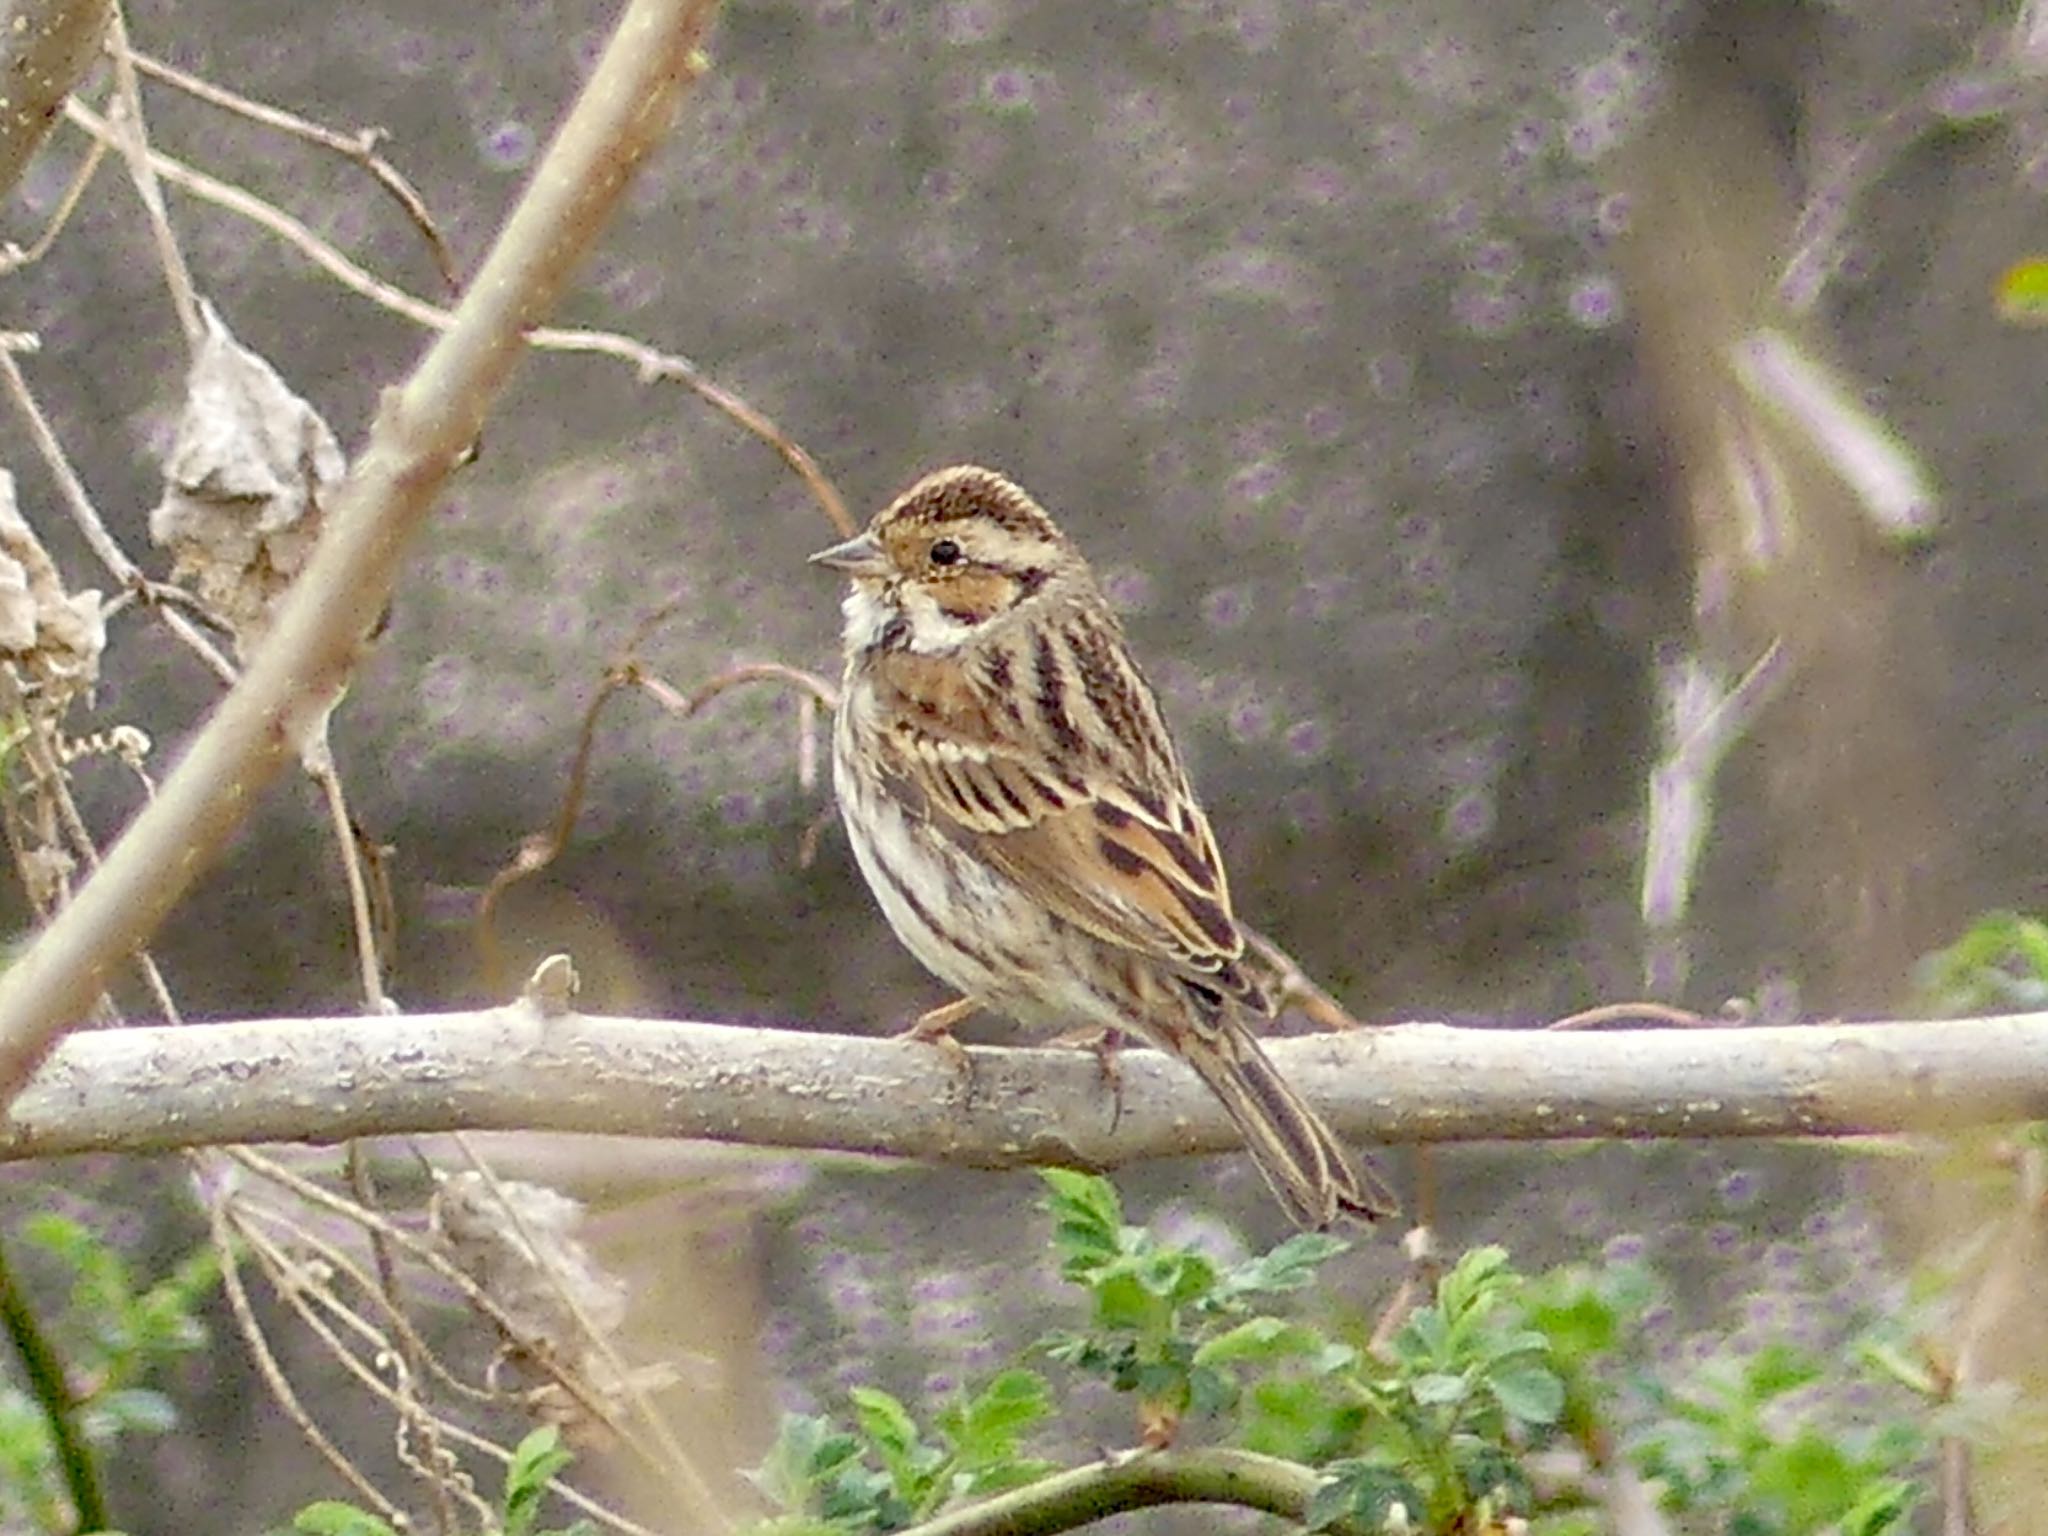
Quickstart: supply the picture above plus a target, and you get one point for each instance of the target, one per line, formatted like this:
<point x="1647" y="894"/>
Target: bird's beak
<point x="860" y="555"/>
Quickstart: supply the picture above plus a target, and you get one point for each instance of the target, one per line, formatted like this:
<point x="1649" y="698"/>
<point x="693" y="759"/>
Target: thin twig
<point x="679" y="1469"/>
<point x="319" y="764"/>
<point x="281" y="1390"/>
<point x="540" y="849"/>
<point x="134" y="141"/>
<point x="653" y="364"/>
<point x="55" y="782"/>
<point x="1636" y="1013"/>
<point x="14" y="257"/>
<point x="562" y="1490"/>
<point x="650" y="363"/>
<point x="248" y="1211"/>
<point x="472" y="1293"/>
<point x="360" y="146"/>
<point x="297" y="1289"/>
<point x="339" y="1259"/>
<point x="736" y="677"/>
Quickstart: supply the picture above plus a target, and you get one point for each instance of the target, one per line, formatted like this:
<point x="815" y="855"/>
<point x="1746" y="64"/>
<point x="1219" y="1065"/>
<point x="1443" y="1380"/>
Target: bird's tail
<point x="1312" y="1172"/>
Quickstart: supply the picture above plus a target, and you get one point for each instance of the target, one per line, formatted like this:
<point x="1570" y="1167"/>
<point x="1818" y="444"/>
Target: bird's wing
<point x="1104" y="830"/>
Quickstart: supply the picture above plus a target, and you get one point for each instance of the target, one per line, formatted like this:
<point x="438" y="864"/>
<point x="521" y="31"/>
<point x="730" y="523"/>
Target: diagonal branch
<point x="324" y="1080"/>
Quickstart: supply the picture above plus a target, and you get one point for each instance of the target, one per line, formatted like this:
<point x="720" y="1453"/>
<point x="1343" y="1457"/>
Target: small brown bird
<point x="1019" y="810"/>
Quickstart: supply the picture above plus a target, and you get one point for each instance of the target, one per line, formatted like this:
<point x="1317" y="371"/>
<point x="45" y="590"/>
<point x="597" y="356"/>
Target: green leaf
<point x="1088" y="1220"/>
<point x="1511" y="1344"/>
<point x="1211" y="1390"/>
<point x="1777" y="1369"/>
<point x="1433" y="1389"/>
<point x="1527" y="1392"/>
<point x="66" y="1239"/>
<point x="1578" y="1327"/>
<point x="2000" y="962"/>
<point x="1125" y="1304"/>
<point x="909" y="1462"/>
<point x="1479" y="1276"/>
<point x="1883" y="1507"/>
<point x="535" y="1460"/>
<point x="331" y="1517"/>
<point x="885" y="1421"/>
<point x="1291" y="1266"/>
<point x="1259" y="1338"/>
<point x="1363" y="1491"/>
<point x="2022" y="293"/>
<point x="1424" y="1339"/>
<point x="984" y="1429"/>
<point x="809" y="1451"/>
<point x="1177" y="1276"/>
<point x="1333" y="1358"/>
<point x="1809" y="1477"/>
<point x="1085" y="1353"/>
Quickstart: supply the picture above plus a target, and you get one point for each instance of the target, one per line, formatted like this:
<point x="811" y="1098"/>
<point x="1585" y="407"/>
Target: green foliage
<point x="1170" y="1325"/>
<point x="1733" y="1437"/>
<point x="1429" y="1430"/>
<point x="886" y="1474"/>
<point x="110" y="1332"/>
<point x="1999" y="964"/>
<point x="1431" y="1423"/>
<point x="1745" y="1442"/>
<point x="110" y="1338"/>
<point x="536" y="1461"/>
<point x="331" y="1517"/>
<point x="1463" y="1387"/>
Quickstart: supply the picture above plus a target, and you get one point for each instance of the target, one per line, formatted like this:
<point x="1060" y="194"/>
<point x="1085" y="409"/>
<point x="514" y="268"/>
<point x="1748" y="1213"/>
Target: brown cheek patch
<point x="971" y="598"/>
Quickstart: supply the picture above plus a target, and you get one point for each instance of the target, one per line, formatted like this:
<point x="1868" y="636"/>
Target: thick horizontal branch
<point x="325" y="1080"/>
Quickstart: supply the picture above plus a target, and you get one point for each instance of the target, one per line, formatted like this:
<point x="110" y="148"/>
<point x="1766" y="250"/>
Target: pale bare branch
<point x="323" y="1080"/>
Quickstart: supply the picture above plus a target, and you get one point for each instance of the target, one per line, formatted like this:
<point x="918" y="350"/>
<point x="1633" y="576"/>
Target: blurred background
<point x="1417" y="379"/>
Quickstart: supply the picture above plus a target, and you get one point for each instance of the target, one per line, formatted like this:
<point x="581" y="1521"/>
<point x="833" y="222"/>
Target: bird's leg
<point x="1105" y="1042"/>
<point x="935" y="1027"/>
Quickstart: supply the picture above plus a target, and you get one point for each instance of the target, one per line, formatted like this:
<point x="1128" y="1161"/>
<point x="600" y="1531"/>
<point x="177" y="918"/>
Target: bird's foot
<point x="1106" y="1043"/>
<point x="935" y="1027"/>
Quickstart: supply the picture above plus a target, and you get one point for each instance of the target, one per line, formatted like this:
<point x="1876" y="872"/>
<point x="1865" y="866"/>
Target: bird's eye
<point x="945" y="552"/>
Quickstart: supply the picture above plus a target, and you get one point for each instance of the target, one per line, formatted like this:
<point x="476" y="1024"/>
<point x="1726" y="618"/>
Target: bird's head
<point x="960" y="551"/>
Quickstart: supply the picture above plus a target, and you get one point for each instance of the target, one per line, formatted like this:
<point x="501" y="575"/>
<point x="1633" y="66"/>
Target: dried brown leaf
<point x="56" y="636"/>
<point x="246" y="483"/>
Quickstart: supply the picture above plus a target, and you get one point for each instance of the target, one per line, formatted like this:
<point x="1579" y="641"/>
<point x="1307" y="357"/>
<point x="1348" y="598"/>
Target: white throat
<point x="931" y="632"/>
